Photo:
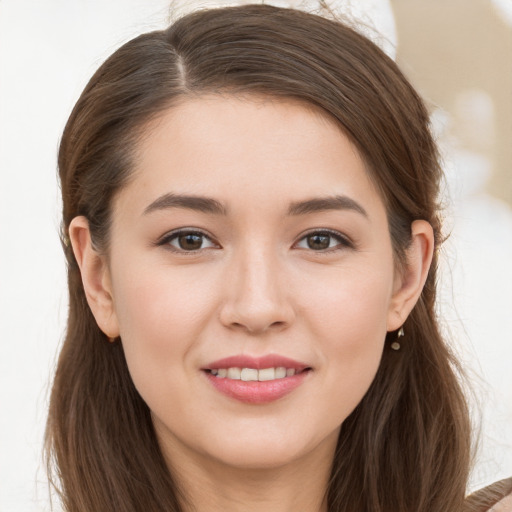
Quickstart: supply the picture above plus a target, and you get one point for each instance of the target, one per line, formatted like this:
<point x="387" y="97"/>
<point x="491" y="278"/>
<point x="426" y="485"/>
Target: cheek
<point x="349" y="322"/>
<point x="161" y="314"/>
<point x="350" y="305"/>
<point x="160" y="302"/>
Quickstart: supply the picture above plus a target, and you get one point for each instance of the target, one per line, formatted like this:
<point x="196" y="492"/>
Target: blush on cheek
<point x="158" y="327"/>
<point x="356" y="317"/>
<point x="159" y="311"/>
<point x="353" y="328"/>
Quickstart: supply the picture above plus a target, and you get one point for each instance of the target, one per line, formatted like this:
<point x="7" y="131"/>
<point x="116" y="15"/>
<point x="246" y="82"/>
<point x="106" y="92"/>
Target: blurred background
<point x="458" y="53"/>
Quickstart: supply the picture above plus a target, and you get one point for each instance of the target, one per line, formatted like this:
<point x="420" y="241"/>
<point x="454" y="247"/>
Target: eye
<point x="187" y="241"/>
<point x="324" y="240"/>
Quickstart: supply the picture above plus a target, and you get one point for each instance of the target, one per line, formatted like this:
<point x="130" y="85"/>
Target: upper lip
<point x="246" y="361"/>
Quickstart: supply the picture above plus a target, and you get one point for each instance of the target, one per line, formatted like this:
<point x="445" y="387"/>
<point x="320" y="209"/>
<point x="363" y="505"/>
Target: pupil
<point x="190" y="242"/>
<point x="318" y="241"/>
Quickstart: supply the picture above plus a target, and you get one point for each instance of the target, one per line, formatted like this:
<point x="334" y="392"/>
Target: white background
<point x="48" y="50"/>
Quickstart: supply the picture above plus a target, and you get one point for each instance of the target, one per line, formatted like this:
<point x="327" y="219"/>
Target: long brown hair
<point x="406" y="446"/>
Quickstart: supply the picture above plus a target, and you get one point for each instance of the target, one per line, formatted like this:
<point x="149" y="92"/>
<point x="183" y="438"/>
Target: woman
<point x="251" y="229"/>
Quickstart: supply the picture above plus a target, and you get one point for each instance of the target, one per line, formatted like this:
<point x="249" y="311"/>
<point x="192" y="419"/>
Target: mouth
<point x="256" y="380"/>
<point x="254" y="374"/>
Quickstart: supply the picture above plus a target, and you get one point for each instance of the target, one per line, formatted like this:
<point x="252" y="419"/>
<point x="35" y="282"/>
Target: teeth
<point x="234" y="373"/>
<point x="281" y="372"/>
<point x="248" y="374"/>
<point x="266" y="374"/>
<point x="252" y="374"/>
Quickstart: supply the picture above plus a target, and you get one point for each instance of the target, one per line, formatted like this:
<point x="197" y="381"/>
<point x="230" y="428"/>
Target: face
<point x="252" y="279"/>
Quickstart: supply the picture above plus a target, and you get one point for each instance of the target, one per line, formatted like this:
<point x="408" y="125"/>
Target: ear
<point x="410" y="280"/>
<point x="95" y="276"/>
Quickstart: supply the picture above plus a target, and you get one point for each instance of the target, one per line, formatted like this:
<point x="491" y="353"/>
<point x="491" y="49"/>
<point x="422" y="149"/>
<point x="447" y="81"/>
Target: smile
<point x="256" y="380"/>
<point x="253" y="374"/>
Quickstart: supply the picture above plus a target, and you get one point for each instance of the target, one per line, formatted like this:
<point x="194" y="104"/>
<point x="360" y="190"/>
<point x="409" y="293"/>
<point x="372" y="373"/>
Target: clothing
<point x="494" y="498"/>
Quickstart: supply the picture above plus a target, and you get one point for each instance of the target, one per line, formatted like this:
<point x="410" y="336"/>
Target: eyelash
<point x="174" y="235"/>
<point x="342" y="241"/>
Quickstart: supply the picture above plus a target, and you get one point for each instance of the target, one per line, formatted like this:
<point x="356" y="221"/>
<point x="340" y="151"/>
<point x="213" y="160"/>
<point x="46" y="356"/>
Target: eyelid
<point x="344" y="241"/>
<point x="165" y="239"/>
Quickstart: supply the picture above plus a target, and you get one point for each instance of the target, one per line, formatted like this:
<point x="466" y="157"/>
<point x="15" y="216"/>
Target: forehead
<point x="253" y="147"/>
<point x="213" y="116"/>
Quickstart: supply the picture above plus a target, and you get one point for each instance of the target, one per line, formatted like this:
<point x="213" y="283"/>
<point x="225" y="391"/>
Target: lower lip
<point x="256" y="392"/>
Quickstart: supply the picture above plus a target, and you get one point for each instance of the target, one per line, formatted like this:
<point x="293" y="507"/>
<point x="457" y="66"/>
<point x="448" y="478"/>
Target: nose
<point x="256" y="297"/>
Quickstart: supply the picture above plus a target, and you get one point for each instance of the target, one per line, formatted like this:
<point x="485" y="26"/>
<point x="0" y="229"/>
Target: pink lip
<point x="257" y="392"/>
<point x="245" y="361"/>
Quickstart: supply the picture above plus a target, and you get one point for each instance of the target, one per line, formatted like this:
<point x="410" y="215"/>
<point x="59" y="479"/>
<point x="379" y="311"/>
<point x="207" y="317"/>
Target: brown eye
<point x="318" y="241"/>
<point x="324" y="241"/>
<point x="187" y="241"/>
<point x="190" y="241"/>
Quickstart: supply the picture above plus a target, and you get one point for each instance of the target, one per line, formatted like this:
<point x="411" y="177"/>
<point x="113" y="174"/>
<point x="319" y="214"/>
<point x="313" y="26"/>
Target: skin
<point x="505" y="505"/>
<point x="254" y="286"/>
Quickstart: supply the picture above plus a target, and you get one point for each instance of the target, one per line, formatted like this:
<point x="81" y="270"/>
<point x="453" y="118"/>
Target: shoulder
<point x="505" y="505"/>
<point x="494" y="498"/>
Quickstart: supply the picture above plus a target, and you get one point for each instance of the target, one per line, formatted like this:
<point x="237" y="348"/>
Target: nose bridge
<point x="256" y="299"/>
<point x="258" y="275"/>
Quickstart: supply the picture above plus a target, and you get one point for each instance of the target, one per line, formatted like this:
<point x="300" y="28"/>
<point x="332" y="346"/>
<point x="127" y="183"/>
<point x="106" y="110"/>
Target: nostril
<point x="256" y="316"/>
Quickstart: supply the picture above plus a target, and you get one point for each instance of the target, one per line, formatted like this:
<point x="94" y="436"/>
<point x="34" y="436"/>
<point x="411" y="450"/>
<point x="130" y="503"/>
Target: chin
<point x="264" y="449"/>
<point x="254" y="458"/>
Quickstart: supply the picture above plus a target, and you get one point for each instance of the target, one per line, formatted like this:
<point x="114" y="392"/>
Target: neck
<point x="211" y="486"/>
<point x="256" y="491"/>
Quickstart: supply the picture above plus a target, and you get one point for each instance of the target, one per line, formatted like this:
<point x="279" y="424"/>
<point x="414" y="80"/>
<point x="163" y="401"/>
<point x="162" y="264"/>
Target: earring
<point x="396" y="345"/>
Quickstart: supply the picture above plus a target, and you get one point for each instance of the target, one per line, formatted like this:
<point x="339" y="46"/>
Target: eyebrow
<point x="212" y="206"/>
<point x="322" y="204"/>
<point x="189" y="202"/>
